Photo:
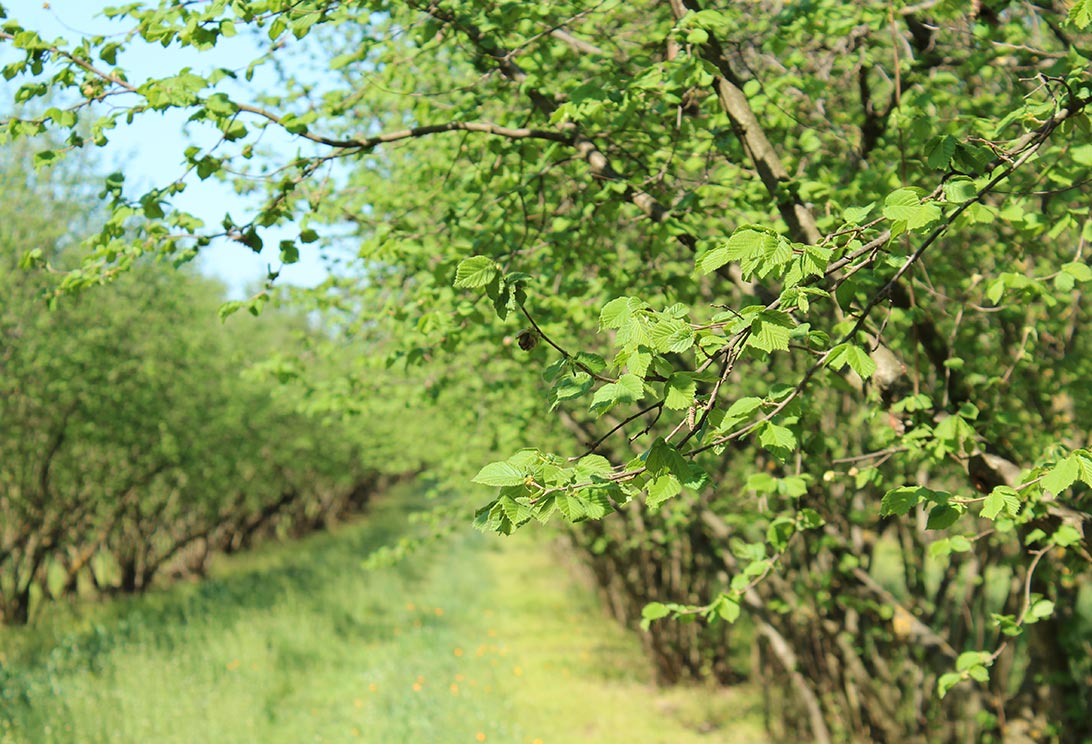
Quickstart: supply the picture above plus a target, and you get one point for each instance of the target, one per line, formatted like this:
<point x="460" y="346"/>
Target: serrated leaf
<point x="679" y="391"/>
<point x="499" y="474"/>
<point x="590" y="465"/>
<point x="1001" y="498"/>
<point x="740" y="411"/>
<point x="665" y="330"/>
<point x="628" y="389"/>
<point x="570" y="507"/>
<point x="901" y="500"/>
<point x="904" y="205"/>
<point x="633" y="385"/>
<point x="698" y="478"/>
<point x="518" y="513"/>
<point x="713" y="259"/>
<point x="672" y="335"/>
<point x="616" y="312"/>
<point x="1080" y="14"/>
<point x="1061" y="476"/>
<point x="596" y="503"/>
<point x="857" y="358"/>
<point x="939" y="152"/>
<point x="473" y="272"/>
<point x="778" y="439"/>
<point x="770" y="331"/>
<point x="664" y="458"/>
<point x="661" y="489"/>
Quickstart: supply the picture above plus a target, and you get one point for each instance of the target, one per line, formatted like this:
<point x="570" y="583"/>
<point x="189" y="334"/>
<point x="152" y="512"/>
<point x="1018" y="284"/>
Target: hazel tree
<point x="779" y="305"/>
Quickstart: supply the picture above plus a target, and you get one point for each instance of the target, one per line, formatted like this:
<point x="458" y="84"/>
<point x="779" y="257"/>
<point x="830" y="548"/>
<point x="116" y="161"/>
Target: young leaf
<point x="1061" y="476"/>
<point x="653" y="611"/>
<point x="679" y="391"/>
<point x="856" y="357"/>
<point x="902" y="500"/>
<point x="770" y="331"/>
<point x="661" y="489"/>
<point x="499" y="474"/>
<point x="476" y="271"/>
<point x="779" y="440"/>
<point x="904" y="205"/>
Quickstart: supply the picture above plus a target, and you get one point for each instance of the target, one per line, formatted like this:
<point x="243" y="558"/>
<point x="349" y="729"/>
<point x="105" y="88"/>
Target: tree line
<point x="133" y="445"/>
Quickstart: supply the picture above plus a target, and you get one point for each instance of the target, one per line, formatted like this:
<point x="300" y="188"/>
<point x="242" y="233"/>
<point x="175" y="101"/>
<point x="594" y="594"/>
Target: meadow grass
<point x="478" y="638"/>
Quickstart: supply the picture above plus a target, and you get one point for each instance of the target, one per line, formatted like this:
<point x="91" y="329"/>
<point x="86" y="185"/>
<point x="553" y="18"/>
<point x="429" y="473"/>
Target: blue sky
<point x="149" y="151"/>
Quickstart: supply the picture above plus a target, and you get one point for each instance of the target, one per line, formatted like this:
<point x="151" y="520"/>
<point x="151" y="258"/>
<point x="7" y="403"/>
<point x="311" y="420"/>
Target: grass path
<point x="477" y="639"/>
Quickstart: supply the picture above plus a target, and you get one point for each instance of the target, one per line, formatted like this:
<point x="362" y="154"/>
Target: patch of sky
<point x="149" y="150"/>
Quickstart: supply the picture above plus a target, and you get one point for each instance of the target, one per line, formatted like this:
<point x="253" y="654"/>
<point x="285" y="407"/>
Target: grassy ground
<point x="478" y="639"/>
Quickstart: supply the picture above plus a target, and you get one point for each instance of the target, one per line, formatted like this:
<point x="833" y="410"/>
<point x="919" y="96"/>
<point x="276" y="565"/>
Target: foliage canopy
<point x="779" y="303"/>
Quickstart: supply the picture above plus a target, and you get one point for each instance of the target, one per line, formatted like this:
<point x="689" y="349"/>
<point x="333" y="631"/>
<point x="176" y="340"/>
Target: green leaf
<point x="948" y="681"/>
<point x="679" y="391"/>
<point x="499" y="474"/>
<point x="1080" y="13"/>
<point x="290" y="253"/>
<point x="664" y="458"/>
<point x="728" y="609"/>
<point x="857" y="358"/>
<point x="959" y="189"/>
<point x="515" y="511"/>
<point x="476" y="271"/>
<point x="1061" y="476"/>
<point x="653" y="611"/>
<point x="1066" y="535"/>
<point x="1001" y="498"/>
<point x="616" y="312"/>
<point x="779" y="532"/>
<point x="672" y="335"/>
<point x="901" y="500"/>
<point x="979" y="673"/>
<point x="628" y="389"/>
<point x="592" y="465"/>
<point x="714" y="258"/>
<point x="904" y="205"/>
<point x="1041" y="609"/>
<point x="779" y="440"/>
<point x="1078" y="270"/>
<point x="739" y="412"/>
<point x="939" y="151"/>
<point x="857" y="215"/>
<point x="809" y="519"/>
<point x="661" y="489"/>
<point x="770" y="331"/>
<point x="571" y="507"/>
<point x="943" y="516"/>
<point x="969" y="659"/>
<point x="758" y="251"/>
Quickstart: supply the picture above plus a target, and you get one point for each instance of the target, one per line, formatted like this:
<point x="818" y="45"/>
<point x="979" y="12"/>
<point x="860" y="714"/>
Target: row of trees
<point x="131" y="444"/>
<point x="781" y="300"/>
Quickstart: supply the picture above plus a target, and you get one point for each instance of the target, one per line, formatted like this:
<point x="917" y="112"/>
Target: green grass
<point x="476" y="637"/>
